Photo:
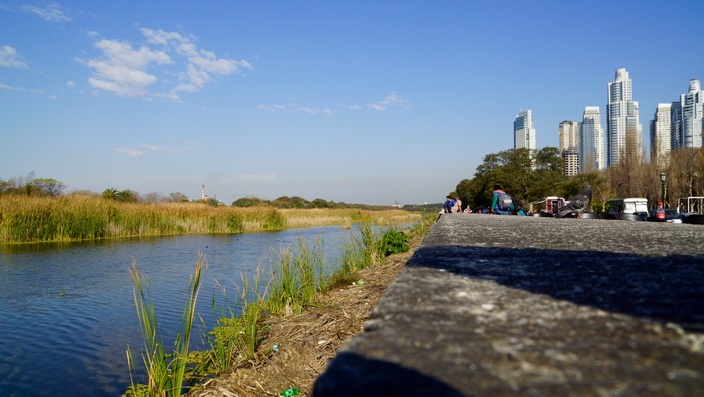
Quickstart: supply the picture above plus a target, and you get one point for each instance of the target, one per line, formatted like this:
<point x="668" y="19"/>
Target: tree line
<point x="530" y="178"/>
<point x="47" y="187"/>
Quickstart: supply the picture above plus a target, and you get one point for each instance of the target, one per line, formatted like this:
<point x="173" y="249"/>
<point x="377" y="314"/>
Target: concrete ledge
<point x="505" y="306"/>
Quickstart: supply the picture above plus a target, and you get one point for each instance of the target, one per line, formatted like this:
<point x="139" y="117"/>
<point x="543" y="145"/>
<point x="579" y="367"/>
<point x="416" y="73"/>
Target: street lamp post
<point x="663" y="177"/>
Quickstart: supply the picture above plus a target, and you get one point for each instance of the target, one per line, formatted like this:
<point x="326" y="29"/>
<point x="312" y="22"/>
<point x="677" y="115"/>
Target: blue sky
<point x="362" y="102"/>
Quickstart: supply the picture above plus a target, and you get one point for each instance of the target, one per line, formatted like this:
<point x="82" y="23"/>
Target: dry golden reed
<point x="27" y="219"/>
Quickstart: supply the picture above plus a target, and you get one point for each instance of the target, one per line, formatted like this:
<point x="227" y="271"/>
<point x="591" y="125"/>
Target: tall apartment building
<point x="568" y="134"/>
<point x="570" y="157"/>
<point x="569" y="146"/>
<point x="689" y="116"/>
<point x="524" y="131"/>
<point x="624" y="133"/>
<point x="675" y="125"/>
<point x="661" y="135"/>
<point x="591" y="141"/>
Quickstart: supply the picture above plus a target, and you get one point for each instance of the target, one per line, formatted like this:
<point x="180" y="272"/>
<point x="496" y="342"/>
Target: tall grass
<point x="165" y="373"/>
<point x="73" y="218"/>
<point x="235" y="335"/>
<point x="29" y="219"/>
<point x="296" y="278"/>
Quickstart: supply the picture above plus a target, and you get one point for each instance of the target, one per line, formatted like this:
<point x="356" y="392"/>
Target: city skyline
<point x="674" y="125"/>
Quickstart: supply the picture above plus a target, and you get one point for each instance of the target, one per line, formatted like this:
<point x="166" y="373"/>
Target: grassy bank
<point x="295" y="282"/>
<point x="27" y="219"/>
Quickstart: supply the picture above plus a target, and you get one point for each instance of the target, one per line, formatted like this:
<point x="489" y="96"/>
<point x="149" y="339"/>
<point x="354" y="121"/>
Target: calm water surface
<point x="67" y="311"/>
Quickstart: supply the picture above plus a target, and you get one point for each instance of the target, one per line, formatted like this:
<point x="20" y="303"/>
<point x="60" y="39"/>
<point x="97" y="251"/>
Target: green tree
<point x="282" y="202"/>
<point x="127" y="196"/>
<point x="320" y="203"/>
<point x="47" y="187"/>
<point x="178" y="197"/>
<point x="526" y="176"/>
<point x="110" y="194"/>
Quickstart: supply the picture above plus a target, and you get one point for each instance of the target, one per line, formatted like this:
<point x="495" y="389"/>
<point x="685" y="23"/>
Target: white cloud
<point x="10" y="88"/>
<point x="296" y="108"/>
<point x="166" y="149"/>
<point x="10" y="59"/>
<point x="52" y="12"/>
<point x="272" y="108"/>
<point x="392" y="101"/>
<point x="70" y="84"/>
<point x="130" y="152"/>
<point x="123" y="70"/>
<point x="201" y="64"/>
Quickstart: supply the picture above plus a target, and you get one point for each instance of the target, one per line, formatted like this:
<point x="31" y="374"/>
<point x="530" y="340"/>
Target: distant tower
<point x="624" y="133"/>
<point x="524" y="131"/>
<point x="661" y="135"/>
<point x="202" y="193"/>
<point x="591" y="141"/>
<point x="569" y="135"/>
<point x="571" y="160"/>
<point x="692" y="114"/>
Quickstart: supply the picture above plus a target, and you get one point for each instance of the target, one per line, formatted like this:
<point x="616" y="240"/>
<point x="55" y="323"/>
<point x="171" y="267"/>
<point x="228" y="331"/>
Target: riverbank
<point x="296" y="349"/>
<point x="27" y="219"/>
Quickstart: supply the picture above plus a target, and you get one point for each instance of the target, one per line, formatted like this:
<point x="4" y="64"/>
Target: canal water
<point x="67" y="313"/>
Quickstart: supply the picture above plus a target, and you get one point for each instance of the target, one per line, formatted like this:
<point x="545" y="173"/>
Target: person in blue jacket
<point x="447" y="206"/>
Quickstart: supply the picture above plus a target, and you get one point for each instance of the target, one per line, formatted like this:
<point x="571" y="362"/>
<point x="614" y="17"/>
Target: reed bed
<point x="27" y="219"/>
<point x="345" y="217"/>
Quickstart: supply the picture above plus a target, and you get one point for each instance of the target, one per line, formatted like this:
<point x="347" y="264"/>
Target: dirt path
<point x="297" y="349"/>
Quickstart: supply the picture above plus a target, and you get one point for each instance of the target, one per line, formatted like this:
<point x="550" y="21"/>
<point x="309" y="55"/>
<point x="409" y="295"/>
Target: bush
<point x="394" y="241"/>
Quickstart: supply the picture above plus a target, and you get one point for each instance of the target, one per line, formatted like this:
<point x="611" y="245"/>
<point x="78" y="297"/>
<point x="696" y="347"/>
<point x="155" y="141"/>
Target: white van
<point x="632" y="205"/>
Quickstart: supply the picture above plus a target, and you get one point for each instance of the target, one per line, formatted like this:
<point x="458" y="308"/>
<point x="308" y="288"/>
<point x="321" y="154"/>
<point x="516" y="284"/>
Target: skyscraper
<point x="591" y="141"/>
<point x="570" y="157"/>
<point x="661" y="135"/>
<point x="569" y="135"/>
<point x="691" y="112"/>
<point x="624" y="133"/>
<point x="524" y="131"/>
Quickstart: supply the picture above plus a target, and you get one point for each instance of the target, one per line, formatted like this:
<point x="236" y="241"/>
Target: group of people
<point x="501" y="204"/>
<point x="452" y="205"/>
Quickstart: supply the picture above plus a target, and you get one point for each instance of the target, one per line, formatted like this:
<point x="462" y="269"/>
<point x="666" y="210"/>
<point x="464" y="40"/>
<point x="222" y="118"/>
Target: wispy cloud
<point x="166" y="149"/>
<point x="130" y="152"/>
<point x="125" y="71"/>
<point x="52" y="12"/>
<point x="10" y="59"/>
<point x="10" y="88"/>
<point x="20" y="89"/>
<point x="295" y="108"/>
<point x="271" y="108"/>
<point x="391" y="102"/>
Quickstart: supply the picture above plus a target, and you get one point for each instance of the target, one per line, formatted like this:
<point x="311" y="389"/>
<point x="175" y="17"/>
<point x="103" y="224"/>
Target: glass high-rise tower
<point x="524" y="131"/>
<point x="691" y="114"/>
<point x="661" y="135"/>
<point x="624" y="133"/>
<point x="591" y="141"/>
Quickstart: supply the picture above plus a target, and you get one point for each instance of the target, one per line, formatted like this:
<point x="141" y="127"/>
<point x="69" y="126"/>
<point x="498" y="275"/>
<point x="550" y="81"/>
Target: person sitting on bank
<point x="457" y="206"/>
<point x="501" y="202"/>
<point x="447" y="206"/>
